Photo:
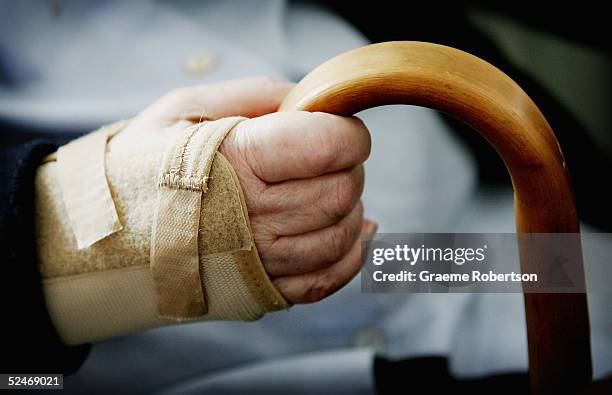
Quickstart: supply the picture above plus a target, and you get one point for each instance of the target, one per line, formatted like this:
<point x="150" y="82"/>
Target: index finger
<point x="248" y="97"/>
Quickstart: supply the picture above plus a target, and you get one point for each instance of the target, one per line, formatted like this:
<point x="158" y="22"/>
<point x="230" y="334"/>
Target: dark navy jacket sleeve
<point x="29" y="341"/>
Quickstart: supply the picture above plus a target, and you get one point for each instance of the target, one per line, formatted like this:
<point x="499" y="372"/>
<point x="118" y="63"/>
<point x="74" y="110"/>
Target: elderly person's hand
<point x="301" y="173"/>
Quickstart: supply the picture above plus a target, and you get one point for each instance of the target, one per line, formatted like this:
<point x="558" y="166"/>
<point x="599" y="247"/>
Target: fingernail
<point x="367" y="235"/>
<point x="369" y="227"/>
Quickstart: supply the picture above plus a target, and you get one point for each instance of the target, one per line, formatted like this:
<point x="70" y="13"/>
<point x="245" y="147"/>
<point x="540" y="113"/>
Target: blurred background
<point x="66" y="67"/>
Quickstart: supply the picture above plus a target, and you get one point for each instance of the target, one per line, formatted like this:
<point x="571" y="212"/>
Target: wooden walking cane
<point x="483" y="97"/>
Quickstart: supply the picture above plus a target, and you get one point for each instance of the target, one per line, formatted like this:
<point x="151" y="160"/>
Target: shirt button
<point x="199" y="64"/>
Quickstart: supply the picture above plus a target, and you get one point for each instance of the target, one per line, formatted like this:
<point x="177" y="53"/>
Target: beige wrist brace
<point x="147" y="235"/>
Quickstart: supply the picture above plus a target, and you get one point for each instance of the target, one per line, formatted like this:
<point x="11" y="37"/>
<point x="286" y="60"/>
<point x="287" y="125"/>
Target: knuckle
<point x="345" y="192"/>
<point x="358" y="174"/>
<point x="363" y="147"/>
<point x="361" y="144"/>
<point x="339" y="242"/>
<point x="359" y="123"/>
<point x="366" y="147"/>
<point x="341" y="137"/>
<point x="320" y="287"/>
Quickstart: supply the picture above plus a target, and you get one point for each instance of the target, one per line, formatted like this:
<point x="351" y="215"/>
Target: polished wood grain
<point x="483" y="97"/>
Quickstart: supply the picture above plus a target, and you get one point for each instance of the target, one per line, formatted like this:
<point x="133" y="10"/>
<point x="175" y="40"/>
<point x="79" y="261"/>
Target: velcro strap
<point x="85" y="191"/>
<point x="174" y="241"/>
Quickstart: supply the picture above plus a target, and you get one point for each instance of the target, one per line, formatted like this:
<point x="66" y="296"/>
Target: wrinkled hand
<point x="301" y="173"/>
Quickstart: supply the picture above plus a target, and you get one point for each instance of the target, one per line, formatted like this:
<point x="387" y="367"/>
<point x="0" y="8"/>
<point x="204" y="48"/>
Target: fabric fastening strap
<point x="184" y="178"/>
<point x="85" y="190"/>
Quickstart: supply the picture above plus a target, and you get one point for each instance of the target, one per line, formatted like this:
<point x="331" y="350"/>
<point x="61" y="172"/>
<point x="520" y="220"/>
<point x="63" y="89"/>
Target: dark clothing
<point x="432" y="376"/>
<point x="29" y="340"/>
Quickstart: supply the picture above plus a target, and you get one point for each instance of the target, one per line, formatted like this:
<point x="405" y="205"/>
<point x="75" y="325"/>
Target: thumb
<point x="248" y="97"/>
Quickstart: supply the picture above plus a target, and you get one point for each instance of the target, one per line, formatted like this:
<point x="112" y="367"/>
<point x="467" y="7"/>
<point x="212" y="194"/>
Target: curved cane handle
<point x="482" y="96"/>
